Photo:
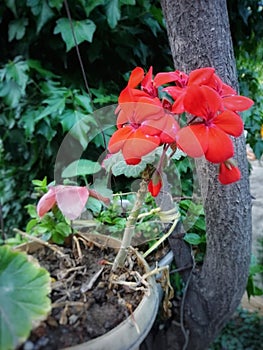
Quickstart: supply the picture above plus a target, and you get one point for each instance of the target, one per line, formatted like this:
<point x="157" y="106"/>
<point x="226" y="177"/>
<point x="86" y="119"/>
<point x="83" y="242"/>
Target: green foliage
<point x="42" y="89"/>
<point x="243" y="332"/>
<point x="24" y="289"/>
<point x="254" y="270"/>
<point x="251" y="84"/>
<point x="246" y="27"/>
<point x="52" y="227"/>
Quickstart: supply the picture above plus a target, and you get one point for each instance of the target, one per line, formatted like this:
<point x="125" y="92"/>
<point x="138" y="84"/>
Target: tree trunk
<point x="199" y="36"/>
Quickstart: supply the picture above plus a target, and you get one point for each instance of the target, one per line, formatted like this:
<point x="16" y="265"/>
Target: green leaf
<point x="94" y="205"/>
<point x="118" y="166"/>
<point x="63" y="228"/>
<point x="128" y="2"/>
<point x="40" y="183"/>
<point x="31" y="224"/>
<point x="16" y="71"/>
<point x="81" y="167"/>
<point x="11" y="4"/>
<point x="84" y="101"/>
<point x="193" y="238"/>
<point x="42" y="11"/>
<point x="11" y="93"/>
<point x="32" y="211"/>
<point x="17" y="29"/>
<point x="24" y="289"/>
<point x="83" y="31"/>
<point x="90" y="5"/>
<point x="56" y="3"/>
<point x="153" y="25"/>
<point x="36" y="65"/>
<point x="113" y="12"/>
<point x="78" y="124"/>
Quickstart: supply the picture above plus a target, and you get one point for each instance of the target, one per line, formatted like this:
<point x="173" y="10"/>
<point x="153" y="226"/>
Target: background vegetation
<point x="43" y="92"/>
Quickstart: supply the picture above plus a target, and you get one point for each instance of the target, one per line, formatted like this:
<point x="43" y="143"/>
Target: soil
<point x="84" y="304"/>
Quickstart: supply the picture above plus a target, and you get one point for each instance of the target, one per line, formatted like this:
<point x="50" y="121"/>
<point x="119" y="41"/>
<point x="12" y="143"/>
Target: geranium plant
<point x="196" y="113"/>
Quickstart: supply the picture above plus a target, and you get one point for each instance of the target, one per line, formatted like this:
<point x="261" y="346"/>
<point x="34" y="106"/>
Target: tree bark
<point x="199" y="36"/>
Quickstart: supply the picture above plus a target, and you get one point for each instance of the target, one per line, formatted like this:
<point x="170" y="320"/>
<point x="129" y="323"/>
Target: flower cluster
<point x="196" y="113"/>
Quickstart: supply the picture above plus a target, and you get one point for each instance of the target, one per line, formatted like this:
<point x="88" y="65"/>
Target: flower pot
<point x="130" y="333"/>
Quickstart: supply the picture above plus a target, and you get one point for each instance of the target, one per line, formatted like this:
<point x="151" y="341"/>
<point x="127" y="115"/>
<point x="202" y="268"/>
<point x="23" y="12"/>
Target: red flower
<point x="71" y="200"/>
<point x="228" y="173"/>
<point x="149" y="85"/>
<point x="142" y="125"/>
<point x="209" y="135"/>
<point x="201" y="76"/>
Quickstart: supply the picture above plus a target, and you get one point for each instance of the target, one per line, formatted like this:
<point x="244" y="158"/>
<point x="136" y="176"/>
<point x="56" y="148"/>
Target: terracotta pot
<point x="130" y="333"/>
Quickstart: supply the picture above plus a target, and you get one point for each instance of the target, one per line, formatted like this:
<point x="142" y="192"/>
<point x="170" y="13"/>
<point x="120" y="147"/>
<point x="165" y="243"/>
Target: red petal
<point x="228" y="173"/>
<point x="71" y="200"/>
<point x="147" y="80"/>
<point x="220" y="87"/>
<point x="46" y="202"/>
<point x="119" y="138"/>
<point x="202" y="101"/>
<point x="174" y="91"/>
<point x="131" y="95"/>
<point x="166" y="127"/>
<point x="148" y="108"/>
<point x="154" y="189"/>
<point x="193" y="140"/>
<point x="229" y="122"/>
<point x="138" y="145"/>
<point x="178" y="106"/>
<point x="220" y="147"/>
<point x="237" y="103"/>
<point x="227" y="90"/>
<point x="164" y="78"/>
<point x="136" y="77"/>
<point x="170" y="130"/>
<point x="201" y="76"/>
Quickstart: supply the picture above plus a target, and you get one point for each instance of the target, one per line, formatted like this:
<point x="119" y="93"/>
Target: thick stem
<point x="130" y="227"/>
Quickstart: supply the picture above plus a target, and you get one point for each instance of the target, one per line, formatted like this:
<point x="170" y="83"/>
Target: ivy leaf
<point x="78" y="124"/>
<point x="11" y="4"/>
<point x="24" y="289"/>
<point x="17" y="71"/>
<point x="90" y="5"/>
<point x="42" y="11"/>
<point x="83" y="31"/>
<point x="84" y="101"/>
<point x="17" y="29"/>
<point x="56" y="3"/>
<point x="11" y="92"/>
<point x="81" y="167"/>
<point x="113" y="12"/>
<point x="36" y="65"/>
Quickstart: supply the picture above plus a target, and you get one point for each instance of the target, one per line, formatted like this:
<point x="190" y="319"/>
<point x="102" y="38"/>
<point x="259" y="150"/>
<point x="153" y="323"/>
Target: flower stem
<point x="130" y="227"/>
